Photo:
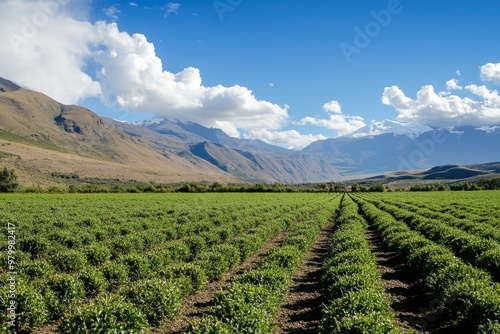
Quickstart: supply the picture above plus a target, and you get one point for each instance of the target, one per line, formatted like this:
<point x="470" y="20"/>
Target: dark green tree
<point x="8" y="181"/>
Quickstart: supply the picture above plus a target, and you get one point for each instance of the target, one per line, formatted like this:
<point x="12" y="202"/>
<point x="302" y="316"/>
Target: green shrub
<point x="116" y="274"/>
<point x="231" y="253"/>
<point x="214" y="264"/>
<point x="286" y="257"/>
<point x="218" y="261"/>
<point x="340" y="285"/>
<point x="158" y="299"/>
<point x="190" y="276"/>
<point x="490" y="261"/>
<point x="275" y="279"/>
<point x="93" y="280"/>
<point x="211" y="237"/>
<point x="475" y="247"/>
<point x="65" y="292"/>
<point x="357" y="312"/>
<point x="492" y="327"/>
<point x="248" y="308"/>
<point x="37" y="246"/>
<point x="351" y="256"/>
<point x="177" y="250"/>
<point x="69" y="260"/>
<point x="126" y="244"/>
<point x="97" y="254"/>
<point x="209" y="325"/>
<point x="302" y="242"/>
<point x="430" y="258"/>
<point x="37" y="268"/>
<point x="108" y="314"/>
<point x="196" y="245"/>
<point x="8" y="181"/>
<point x="246" y="244"/>
<point x="138" y="266"/>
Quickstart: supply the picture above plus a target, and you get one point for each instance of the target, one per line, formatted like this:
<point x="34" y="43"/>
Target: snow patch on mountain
<point x="411" y="130"/>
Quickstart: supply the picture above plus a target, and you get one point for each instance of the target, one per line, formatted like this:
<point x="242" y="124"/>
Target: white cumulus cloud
<point x="52" y="52"/>
<point x="445" y="110"/>
<point x="45" y="49"/>
<point x="337" y="121"/>
<point x="453" y="85"/>
<point x="490" y="72"/>
<point x="333" y="106"/>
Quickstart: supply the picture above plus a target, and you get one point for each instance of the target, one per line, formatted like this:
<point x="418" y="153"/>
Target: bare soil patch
<point x="415" y="306"/>
<point x="301" y="312"/>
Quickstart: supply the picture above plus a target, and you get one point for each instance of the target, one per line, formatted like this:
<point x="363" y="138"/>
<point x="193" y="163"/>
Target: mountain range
<point x="40" y="136"/>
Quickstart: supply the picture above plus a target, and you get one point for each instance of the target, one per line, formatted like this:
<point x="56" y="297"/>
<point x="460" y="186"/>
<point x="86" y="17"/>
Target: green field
<point x="102" y="263"/>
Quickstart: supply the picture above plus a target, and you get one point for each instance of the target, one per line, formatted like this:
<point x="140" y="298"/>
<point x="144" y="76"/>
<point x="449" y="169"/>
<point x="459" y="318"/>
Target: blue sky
<point x="315" y="69"/>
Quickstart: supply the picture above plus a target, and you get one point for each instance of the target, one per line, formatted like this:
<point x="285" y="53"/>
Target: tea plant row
<point x="468" y="292"/>
<point x="480" y="251"/>
<point x="124" y="262"/>
<point x="355" y="294"/>
<point x="252" y="300"/>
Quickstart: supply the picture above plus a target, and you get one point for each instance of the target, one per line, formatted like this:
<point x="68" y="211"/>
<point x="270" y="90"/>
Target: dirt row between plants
<point x="197" y="304"/>
<point x="301" y="312"/>
<point x="405" y="290"/>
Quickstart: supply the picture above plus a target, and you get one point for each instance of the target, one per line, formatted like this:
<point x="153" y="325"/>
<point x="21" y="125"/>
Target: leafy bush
<point x="93" y="281"/>
<point x="97" y="254"/>
<point x="158" y="299"/>
<point x="302" y="242"/>
<point x="177" y="250"/>
<point x="275" y="279"/>
<point x="8" y="180"/>
<point x="196" y="245"/>
<point x="219" y="261"/>
<point x="214" y="264"/>
<point x="248" y="308"/>
<point x="37" y="268"/>
<point x="108" y="314"/>
<point x="116" y="274"/>
<point x="209" y="325"/>
<point x="65" y="291"/>
<point x="490" y="260"/>
<point x="69" y="260"/>
<point x="190" y="276"/>
<point x="246" y="245"/>
<point x="138" y="266"/>
<point x="492" y="327"/>
<point x="37" y="246"/>
<point x="286" y="257"/>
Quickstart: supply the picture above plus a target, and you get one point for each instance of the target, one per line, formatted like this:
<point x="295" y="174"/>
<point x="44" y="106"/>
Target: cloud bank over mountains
<point x="38" y="54"/>
<point x="52" y="47"/>
<point x="443" y="109"/>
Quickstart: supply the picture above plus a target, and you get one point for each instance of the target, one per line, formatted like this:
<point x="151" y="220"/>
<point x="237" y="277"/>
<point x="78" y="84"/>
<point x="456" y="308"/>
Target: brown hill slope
<point x="250" y="160"/>
<point x="46" y="136"/>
